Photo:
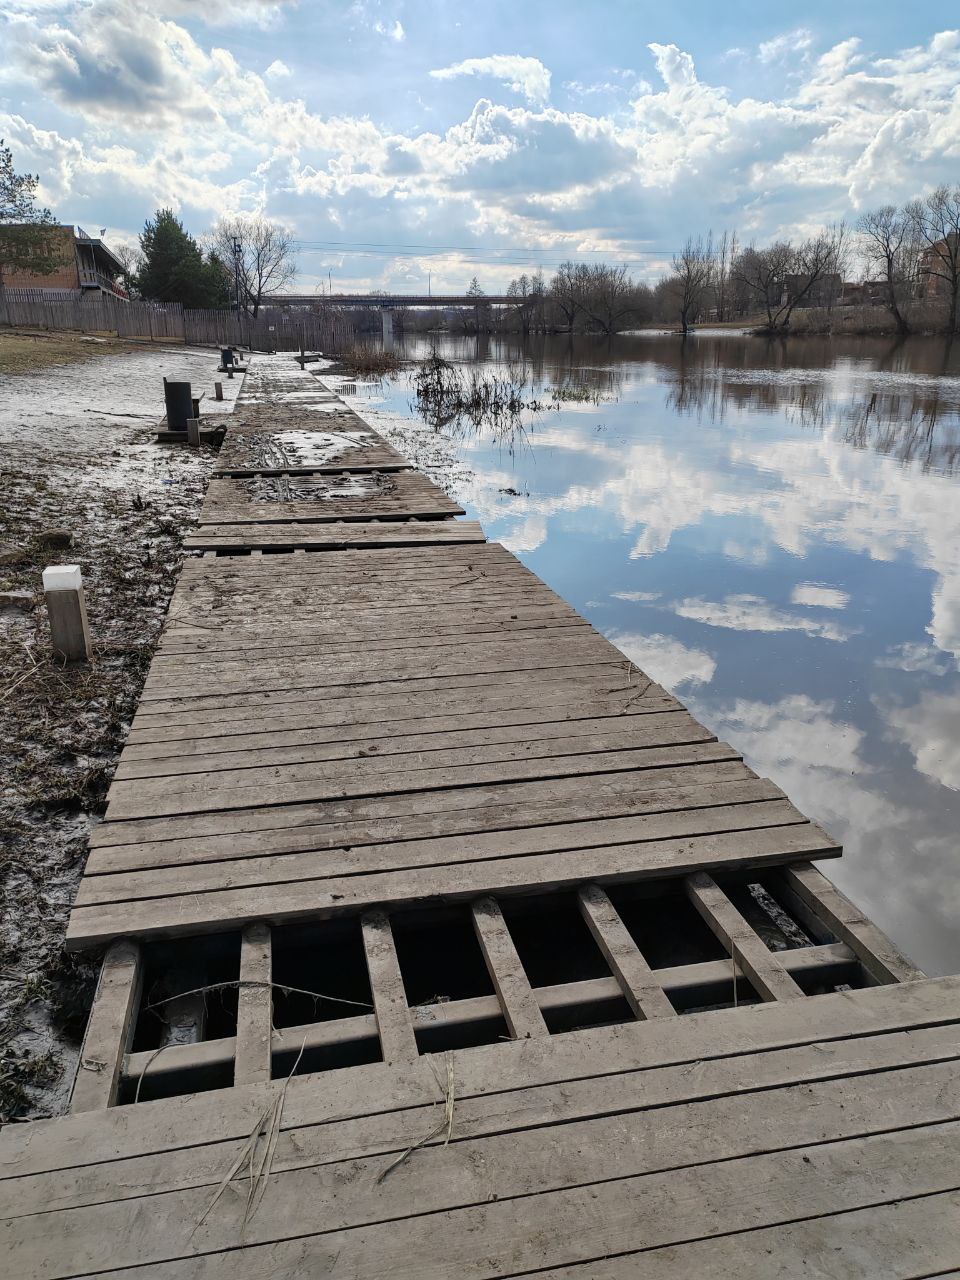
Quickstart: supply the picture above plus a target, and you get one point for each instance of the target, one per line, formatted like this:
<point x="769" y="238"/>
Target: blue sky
<point x="482" y="140"/>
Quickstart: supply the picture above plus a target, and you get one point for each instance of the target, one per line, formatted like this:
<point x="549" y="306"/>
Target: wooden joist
<point x="639" y="984"/>
<point x="517" y="1000"/>
<point x="709" y="981"/>
<point x="883" y="961"/>
<point x="253" y="1050"/>
<point x="109" y="1029"/>
<point x="398" y="1042"/>
<point x="762" y="966"/>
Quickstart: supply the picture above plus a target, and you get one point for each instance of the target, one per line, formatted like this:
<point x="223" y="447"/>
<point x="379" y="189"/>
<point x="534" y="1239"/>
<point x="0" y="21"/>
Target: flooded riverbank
<point x="772" y="529"/>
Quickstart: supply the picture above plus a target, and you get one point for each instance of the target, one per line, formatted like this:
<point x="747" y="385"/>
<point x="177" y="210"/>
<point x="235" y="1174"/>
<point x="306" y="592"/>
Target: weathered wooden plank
<point x="134" y="800"/>
<point x="520" y="1008"/>
<point x="901" y="1240"/>
<point x="515" y="1191"/>
<point x="301" y="764"/>
<point x="403" y="493"/>
<point x="875" y="951"/>
<point x="133" y="883"/>
<point x="740" y="1042"/>
<point x="526" y="651"/>
<point x="643" y="992"/>
<point x="153" y="759"/>
<point x="401" y="818"/>
<point x="466" y="695"/>
<point x="767" y="975"/>
<point x="252" y="1058"/>
<point x="318" y="899"/>
<point x="368" y="682"/>
<point x="375" y="640"/>
<point x="426" y="693"/>
<point x="367" y="563"/>
<point x="109" y="1029"/>
<point x="394" y="1023"/>
<point x="384" y="627"/>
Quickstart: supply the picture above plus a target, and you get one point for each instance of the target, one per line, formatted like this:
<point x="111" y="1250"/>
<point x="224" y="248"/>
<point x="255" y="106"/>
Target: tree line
<point x="908" y="255"/>
<point x="242" y="262"/>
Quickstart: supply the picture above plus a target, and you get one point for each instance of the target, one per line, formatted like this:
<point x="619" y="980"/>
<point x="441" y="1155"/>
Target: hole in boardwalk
<point x="327" y="959"/>
<point x="441" y="962"/>
<point x="666" y="927"/>
<point x="561" y="960"/>
<point x="671" y="934"/>
<point x="182" y="1002"/>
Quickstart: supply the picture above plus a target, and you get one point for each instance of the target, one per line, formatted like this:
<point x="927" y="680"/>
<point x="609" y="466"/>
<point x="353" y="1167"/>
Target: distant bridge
<point x="389" y="300"/>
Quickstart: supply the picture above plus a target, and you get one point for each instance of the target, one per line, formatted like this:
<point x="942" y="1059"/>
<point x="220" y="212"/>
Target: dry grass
<point x="369" y="362"/>
<point x="24" y="350"/>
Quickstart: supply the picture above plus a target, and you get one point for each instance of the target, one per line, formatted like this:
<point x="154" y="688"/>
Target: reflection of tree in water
<point x="918" y="424"/>
<point x="463" y="403"/>
<point x="500" y="401"/>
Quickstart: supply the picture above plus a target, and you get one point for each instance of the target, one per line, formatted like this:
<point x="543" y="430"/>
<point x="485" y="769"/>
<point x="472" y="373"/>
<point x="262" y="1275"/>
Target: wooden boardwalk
<point x="393" y="817"/>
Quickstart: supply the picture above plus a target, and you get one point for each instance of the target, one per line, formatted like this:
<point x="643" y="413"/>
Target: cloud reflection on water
<point x="774" y="531"/>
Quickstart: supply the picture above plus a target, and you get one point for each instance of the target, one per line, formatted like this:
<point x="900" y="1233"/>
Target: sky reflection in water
<point x="772" y="531"/>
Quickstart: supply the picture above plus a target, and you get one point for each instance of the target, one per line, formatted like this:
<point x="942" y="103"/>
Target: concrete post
<point x="218" y="391"/>
<point x="67" y="611"/>
<point x="193" y="432"/>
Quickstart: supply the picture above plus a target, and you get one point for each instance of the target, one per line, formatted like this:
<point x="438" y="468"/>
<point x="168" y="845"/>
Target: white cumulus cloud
<point x="527" y="76"/>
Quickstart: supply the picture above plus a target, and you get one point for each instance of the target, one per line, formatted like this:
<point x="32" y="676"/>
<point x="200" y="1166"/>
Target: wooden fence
<point x="96" y="312"/>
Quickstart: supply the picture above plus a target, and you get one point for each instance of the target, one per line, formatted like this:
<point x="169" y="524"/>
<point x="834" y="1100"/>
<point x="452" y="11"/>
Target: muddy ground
<point x="81" y="482"/>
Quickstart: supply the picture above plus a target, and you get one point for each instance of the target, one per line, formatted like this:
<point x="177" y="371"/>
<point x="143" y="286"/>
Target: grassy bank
<point x="27" y="350"/>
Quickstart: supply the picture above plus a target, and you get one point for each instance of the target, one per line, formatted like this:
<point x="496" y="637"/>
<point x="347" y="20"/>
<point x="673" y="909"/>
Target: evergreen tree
<point x="174" y="269"/>
<point x="26" y="240"/>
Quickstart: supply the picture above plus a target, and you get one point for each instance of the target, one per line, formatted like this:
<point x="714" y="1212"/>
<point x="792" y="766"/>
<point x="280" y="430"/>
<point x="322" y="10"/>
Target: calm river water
<point x="772" y="530"/>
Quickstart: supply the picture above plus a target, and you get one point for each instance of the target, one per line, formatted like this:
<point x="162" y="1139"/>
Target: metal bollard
<point x="67" y="611"/>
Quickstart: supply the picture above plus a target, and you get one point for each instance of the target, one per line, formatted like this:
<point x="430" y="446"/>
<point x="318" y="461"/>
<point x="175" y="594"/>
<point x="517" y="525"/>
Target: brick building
<point x="85" y="264"/>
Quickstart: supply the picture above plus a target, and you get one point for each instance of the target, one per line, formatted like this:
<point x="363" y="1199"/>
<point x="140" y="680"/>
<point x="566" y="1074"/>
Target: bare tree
<point x="566" y="290"/>
<point x="131" y="260"/>
<point x="762" y="274"/>
<point x="936" y="220"/>
<point x="522" y="295"/>
<point x="693" y="270"/>
<point x="264" y="255"/>
<point x="783" y="275"/>
<point x="609" y="297"/>
<point x="726" y="251"/>
<point x="888" y="242"/>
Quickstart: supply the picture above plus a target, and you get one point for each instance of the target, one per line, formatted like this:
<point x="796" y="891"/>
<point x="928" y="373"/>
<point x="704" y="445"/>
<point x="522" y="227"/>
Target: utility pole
<point x="237" y="253"/>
